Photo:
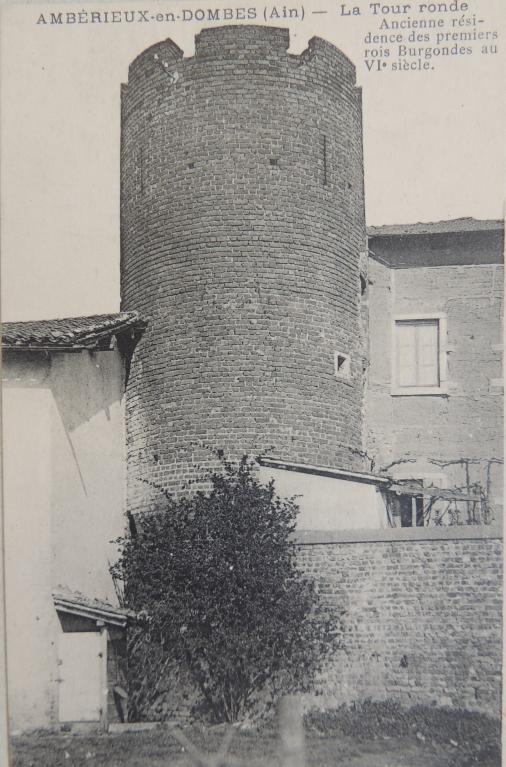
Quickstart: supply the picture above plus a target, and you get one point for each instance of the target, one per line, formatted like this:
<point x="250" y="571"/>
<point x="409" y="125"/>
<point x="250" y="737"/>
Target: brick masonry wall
<point x="467" y="422"/>
<point x="242" y="218"/>
<point x="422" y="621"/>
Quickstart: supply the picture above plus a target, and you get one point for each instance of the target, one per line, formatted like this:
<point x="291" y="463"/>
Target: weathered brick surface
<point x="467" y="421"/>
<point x="422" y="621"/>
<point x="242" y="225"/>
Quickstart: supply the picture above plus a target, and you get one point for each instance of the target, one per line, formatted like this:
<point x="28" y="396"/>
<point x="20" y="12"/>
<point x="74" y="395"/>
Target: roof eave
<point x="100" y="341"/>
<point x="112" y="616"/>
<point x="476" y="226"/>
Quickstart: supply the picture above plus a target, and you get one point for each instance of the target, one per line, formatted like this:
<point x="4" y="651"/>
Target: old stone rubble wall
<point x="421" y="617"/>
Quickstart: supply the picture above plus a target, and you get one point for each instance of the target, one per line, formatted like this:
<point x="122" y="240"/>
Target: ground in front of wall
<point x="158" y="748"/>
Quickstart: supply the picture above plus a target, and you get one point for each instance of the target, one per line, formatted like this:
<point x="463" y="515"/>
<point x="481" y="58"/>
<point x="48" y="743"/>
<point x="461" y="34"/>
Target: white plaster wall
<point x="87" y="470"/>
<point x="64" y="502"/>
<point x="328" y="503"/>
<point x="30" y="616"/>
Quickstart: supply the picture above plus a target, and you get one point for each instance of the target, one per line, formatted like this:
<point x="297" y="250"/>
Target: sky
<point x="433" y="140"/>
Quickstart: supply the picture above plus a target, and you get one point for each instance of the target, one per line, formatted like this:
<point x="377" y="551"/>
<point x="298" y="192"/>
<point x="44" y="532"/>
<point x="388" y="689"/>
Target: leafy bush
<point x="215" y="581"/>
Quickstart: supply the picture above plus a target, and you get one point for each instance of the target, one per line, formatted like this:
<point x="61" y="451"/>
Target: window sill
<point x="420" y="391"/>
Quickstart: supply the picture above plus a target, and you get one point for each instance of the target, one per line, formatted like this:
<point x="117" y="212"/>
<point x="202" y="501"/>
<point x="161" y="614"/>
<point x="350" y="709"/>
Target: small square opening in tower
<point x="274" y="161"/>
<point x="342" y="366"/>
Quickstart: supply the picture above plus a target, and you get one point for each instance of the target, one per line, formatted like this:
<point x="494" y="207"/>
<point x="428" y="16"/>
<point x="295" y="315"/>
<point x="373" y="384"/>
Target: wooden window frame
<point x="410" y="391"/>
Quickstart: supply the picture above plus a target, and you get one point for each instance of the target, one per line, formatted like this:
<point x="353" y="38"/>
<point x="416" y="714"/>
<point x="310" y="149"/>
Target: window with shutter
<point x="417" y="356"/>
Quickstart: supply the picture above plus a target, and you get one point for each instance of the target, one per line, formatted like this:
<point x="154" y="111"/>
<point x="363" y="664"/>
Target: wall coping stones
<point x="398" y="534"/>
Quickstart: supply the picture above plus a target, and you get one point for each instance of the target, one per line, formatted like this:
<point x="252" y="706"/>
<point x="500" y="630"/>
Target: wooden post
<point x="291" y="732"/>
<point x="413" y="511"/>
<point x="465" y="461"/>
<point x="104" y="713"/>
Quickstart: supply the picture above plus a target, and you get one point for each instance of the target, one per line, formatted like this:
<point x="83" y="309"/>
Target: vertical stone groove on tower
<point x="242" y="224"/>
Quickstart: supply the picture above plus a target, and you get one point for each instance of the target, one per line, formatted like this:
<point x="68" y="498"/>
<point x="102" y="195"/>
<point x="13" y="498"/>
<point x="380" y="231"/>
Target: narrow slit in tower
<point x="141" y="169"/>
<point x="324" y="160"/>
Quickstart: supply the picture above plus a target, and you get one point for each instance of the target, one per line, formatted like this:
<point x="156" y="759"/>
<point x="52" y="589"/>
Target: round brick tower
<point x="242" y="225"/>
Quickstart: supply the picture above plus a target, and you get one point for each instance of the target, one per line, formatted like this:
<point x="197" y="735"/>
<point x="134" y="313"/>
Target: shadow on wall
<point x="86" y="388"/>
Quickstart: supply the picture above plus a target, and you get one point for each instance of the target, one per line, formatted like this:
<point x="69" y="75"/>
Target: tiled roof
<point x="71" y="333"/>
<point x="75" y="603"/>
<point x="454" y="226"/>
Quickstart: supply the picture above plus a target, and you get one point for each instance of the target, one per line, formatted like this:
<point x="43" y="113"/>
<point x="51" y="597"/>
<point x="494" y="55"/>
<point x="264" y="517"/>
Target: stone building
<point x="365" y="371"/>
<point x="421" y="601"/>
<point x="243" y="239"/>
<point x="435" y="386"/>
<point x="252" y="264"/>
